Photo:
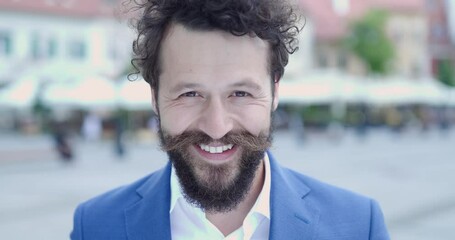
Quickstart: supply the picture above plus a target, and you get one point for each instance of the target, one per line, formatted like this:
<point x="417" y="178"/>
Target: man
<point x="214" y="69"/>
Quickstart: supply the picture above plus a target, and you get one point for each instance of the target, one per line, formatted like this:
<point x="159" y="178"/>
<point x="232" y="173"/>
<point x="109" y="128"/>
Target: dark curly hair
<point x="274" y="21"/>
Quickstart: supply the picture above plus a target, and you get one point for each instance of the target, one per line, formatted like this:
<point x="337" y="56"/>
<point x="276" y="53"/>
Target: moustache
<point x="239" y="138"/>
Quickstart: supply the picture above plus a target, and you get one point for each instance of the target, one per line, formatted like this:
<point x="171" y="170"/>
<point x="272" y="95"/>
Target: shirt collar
<point x="262" y="205"/>
<point x="176" y="191"/>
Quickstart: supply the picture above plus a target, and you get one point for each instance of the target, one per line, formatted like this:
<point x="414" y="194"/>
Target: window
<point x="416" y="70"/>
<point x="397" y="36"/>
<point x="35" y="46"/>
<point x="322" y="60"/>
<point x="52" y="48"/>
<point x="437" y="30"/>
<point x="6" y="48"/>
<point x="77" y="49"/>
<point x="112" y="51"/>
<point x="43" y="46"/>
<point x="342" y="60"/>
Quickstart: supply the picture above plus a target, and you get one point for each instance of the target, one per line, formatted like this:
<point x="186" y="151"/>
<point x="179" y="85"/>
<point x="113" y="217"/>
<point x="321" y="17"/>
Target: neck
<point x="231" y="221"/>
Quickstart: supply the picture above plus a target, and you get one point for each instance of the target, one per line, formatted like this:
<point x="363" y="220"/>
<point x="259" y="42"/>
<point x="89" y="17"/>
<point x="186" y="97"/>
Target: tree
<point x="370" y="43"/>
<point x="446" y="73"/>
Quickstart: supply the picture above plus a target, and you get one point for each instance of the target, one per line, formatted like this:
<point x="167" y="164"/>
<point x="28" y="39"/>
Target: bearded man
<point x="214" y="69"/>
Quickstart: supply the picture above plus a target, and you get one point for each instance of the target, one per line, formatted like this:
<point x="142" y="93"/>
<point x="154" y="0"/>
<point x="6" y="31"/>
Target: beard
<point x="215" y="188"/>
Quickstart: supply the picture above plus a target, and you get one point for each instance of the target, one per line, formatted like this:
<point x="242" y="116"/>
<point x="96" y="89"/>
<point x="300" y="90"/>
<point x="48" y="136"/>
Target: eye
<point x="240" y="94"/>
<point x="190" y="94"/>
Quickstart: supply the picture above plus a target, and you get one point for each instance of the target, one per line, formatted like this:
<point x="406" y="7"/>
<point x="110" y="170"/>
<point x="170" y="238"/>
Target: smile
<point x="218" y="149"/>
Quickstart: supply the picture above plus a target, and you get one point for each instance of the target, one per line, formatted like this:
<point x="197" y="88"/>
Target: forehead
<point x="216" y="54"/>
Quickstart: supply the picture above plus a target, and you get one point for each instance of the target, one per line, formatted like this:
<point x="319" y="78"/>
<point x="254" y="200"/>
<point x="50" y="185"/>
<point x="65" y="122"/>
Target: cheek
<point x="255" y="120"/>
<point x="176" y="122"/>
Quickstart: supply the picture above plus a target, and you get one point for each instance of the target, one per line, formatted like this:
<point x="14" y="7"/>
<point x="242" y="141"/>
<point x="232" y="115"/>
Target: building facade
<point x="441" y="33"/>
<point x="406" y="26"/>
<point x="44" y="33"/>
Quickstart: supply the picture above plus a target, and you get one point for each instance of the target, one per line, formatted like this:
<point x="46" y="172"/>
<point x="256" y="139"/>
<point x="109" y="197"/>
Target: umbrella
<point x="20" y="94"/>
<point x="89" y="92"/>
<point x="135" y="95"/>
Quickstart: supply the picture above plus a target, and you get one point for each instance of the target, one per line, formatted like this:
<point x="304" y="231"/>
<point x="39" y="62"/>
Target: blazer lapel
<point x="149" y="217"/>
<point x="292" y="217"/>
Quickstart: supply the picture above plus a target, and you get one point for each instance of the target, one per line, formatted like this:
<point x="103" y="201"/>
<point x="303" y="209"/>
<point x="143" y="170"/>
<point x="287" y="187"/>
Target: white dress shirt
<point x="189" y="222"/>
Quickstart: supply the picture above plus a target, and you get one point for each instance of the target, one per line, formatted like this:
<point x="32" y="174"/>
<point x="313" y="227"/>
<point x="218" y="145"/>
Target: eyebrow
<point x="247" y="83"/>
<point x="184" y="85"/>
<point x="243" y="83"/>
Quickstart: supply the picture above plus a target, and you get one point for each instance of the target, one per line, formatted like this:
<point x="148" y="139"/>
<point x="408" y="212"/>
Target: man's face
<point x="214" y="102"/>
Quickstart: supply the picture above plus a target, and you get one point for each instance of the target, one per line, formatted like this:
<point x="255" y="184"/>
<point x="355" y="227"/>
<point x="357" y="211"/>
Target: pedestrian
<point x="61" y="142"/>
<point x="214" y="69"/>
<point x="92" y="128"/>
<point x="119" y="128"/>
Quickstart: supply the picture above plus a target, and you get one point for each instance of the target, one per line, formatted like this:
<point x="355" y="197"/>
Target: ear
<point x="153" y="101"/>
<point x="275" y="96"/>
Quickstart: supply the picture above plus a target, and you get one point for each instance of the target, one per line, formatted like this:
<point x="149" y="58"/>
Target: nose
<point x="215" y="120"/>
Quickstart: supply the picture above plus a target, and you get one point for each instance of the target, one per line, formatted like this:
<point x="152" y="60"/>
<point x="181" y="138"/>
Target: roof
<point x="72" y="8"/>
<point x="401" y="5"/>
<point x="330" y="25"/>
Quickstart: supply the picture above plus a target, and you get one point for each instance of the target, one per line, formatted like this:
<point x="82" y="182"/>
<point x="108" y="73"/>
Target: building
<point x="54" y="34"/>
<point x="451" y="15"/>
<point x="406" y="26"/>
<point x="301" y="62"/>
<point x="441" y="18"/>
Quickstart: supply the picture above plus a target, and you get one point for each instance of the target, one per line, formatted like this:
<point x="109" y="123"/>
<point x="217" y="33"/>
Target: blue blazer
<point x="300" y="207"/>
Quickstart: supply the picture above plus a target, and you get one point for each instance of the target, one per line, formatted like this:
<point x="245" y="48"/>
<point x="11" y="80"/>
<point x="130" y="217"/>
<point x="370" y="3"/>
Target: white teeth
<point x="219" y="149"/>
<point x="213" y="150"/>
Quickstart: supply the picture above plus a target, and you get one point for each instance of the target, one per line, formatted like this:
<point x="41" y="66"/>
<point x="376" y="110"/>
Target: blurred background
<point x="367" y="103"/>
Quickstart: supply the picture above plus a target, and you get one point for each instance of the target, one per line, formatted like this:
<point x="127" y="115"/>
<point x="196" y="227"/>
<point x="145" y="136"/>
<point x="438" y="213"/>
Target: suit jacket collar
<point x="292" y="217"/>
<point x="149" y="217"/>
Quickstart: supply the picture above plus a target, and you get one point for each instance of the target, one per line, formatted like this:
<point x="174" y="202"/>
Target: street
<point x="411" y="175"/>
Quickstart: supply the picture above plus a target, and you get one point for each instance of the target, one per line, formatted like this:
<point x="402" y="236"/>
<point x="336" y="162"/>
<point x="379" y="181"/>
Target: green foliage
<point x="42" y="113"/>
<point x="446" y="73"/>
<point x="316" y="115"/>
<point x="369" y="42"/>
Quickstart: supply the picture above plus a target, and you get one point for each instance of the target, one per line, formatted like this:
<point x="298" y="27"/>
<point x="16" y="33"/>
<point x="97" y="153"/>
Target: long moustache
<point x="239" y="138"/>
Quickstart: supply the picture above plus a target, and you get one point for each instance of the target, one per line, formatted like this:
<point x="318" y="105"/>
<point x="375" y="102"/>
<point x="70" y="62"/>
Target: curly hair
<point x="274" y="21"/>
